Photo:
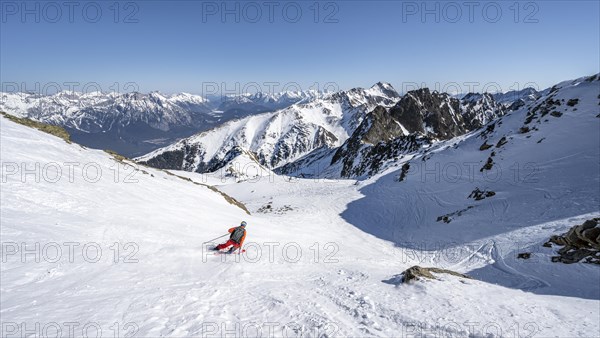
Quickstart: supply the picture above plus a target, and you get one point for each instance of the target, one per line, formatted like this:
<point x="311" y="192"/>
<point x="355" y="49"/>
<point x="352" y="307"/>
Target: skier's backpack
<point x="237" y="234"/>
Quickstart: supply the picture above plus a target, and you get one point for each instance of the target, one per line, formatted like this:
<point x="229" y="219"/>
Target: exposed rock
<point x="524" y="255"/>
<point x="543" y="108"/>
<point x="268" y="208"/>
<point x="420" y="117"/>
<point x="581" y="241"/>
<point x="488" y="164"/>
<point x="485" y="146"/>
<point x="524" y="130"/>
<point x="416" y="272"/>
<point x="377" y="139"/>
<point x="501" y="142"/>
<point x="448" y="217"/>
<point x="488" y="130"/>
<point x="405" y="168"/>
<point x="430" y="113"/>
<point x="481" y="194"/>
<point x="479" y="109"/>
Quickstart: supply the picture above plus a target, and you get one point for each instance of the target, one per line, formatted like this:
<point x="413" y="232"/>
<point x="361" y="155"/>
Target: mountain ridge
<point x="433" y="115"/>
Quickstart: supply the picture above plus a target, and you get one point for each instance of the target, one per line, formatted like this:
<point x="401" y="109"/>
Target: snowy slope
<point x="557" y="159"/>
<point x="322" y="255"/>
<point x="548" y="173"/>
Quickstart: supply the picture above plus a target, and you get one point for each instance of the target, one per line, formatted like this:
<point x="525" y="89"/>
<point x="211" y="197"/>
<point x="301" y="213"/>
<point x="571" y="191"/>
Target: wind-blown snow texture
<point x="323" y="256"/>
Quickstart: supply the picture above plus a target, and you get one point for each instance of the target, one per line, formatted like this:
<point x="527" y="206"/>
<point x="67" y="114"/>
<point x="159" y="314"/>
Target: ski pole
<point x="215" y="238"/>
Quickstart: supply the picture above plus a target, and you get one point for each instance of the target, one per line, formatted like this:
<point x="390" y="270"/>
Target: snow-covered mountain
<point x="420" y="119"/>
<point x="279" y="137"/>
<point x="90" y="112"/>
<point x="130" y="123"/>
<point x="538" y="161"/>
<point x="323" y="257"/>
<point x="526" y="95"/>
<point x="135" y="123"/>
<point x="251" y="103"/>
<point x="348" y="121"/>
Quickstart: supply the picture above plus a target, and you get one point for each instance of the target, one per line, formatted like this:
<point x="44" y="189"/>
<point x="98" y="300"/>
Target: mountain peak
<point x="383" y="89"/>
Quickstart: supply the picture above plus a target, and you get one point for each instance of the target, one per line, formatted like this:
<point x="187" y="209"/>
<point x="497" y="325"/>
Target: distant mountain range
<point x="328" y="134"/>
<point x="135" y="123"/>
<point x="279" y="128"/>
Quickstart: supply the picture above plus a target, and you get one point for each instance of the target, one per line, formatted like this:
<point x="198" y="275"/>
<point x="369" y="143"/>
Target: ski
<point x="217" y="253"/>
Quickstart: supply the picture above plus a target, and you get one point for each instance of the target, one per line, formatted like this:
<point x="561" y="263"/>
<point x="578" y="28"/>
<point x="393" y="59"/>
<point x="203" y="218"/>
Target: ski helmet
<point x="243" y="223"/>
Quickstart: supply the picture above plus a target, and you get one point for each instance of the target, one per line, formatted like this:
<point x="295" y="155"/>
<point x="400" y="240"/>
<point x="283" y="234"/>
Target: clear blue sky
<point x="174" y="46"/>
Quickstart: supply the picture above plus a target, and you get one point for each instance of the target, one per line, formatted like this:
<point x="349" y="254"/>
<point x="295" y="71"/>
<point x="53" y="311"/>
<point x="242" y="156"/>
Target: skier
<point x="236" y="239"/>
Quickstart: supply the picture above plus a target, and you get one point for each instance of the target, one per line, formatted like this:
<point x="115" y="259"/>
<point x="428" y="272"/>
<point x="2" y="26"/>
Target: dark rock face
<point x="380" y="126"/>
<point x="524" y="255"/>
<point x="581" y="242"/>
<point x="479" y="109"/>
<point x="434" y="114"/>
<point x="310" y="165"/>
<point x="174" y="159"/>
<point x="377" y="139"/>
<point x="420" y="117"/>
<point x="478" y="194"/>
<point x="377" y="126"/>
<point x="374" y="158"/>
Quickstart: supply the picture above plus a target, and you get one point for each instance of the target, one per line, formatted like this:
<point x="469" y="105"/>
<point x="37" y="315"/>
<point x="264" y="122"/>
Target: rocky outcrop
<point x="420" y="117"/>
<point x="417" y="273"/>
<point x="581" y="242"/>
<point x="478" y="194"/>
<point x="378" y="139"/>
<point x="479" y="109"/>
<point x="430" y="113"/>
